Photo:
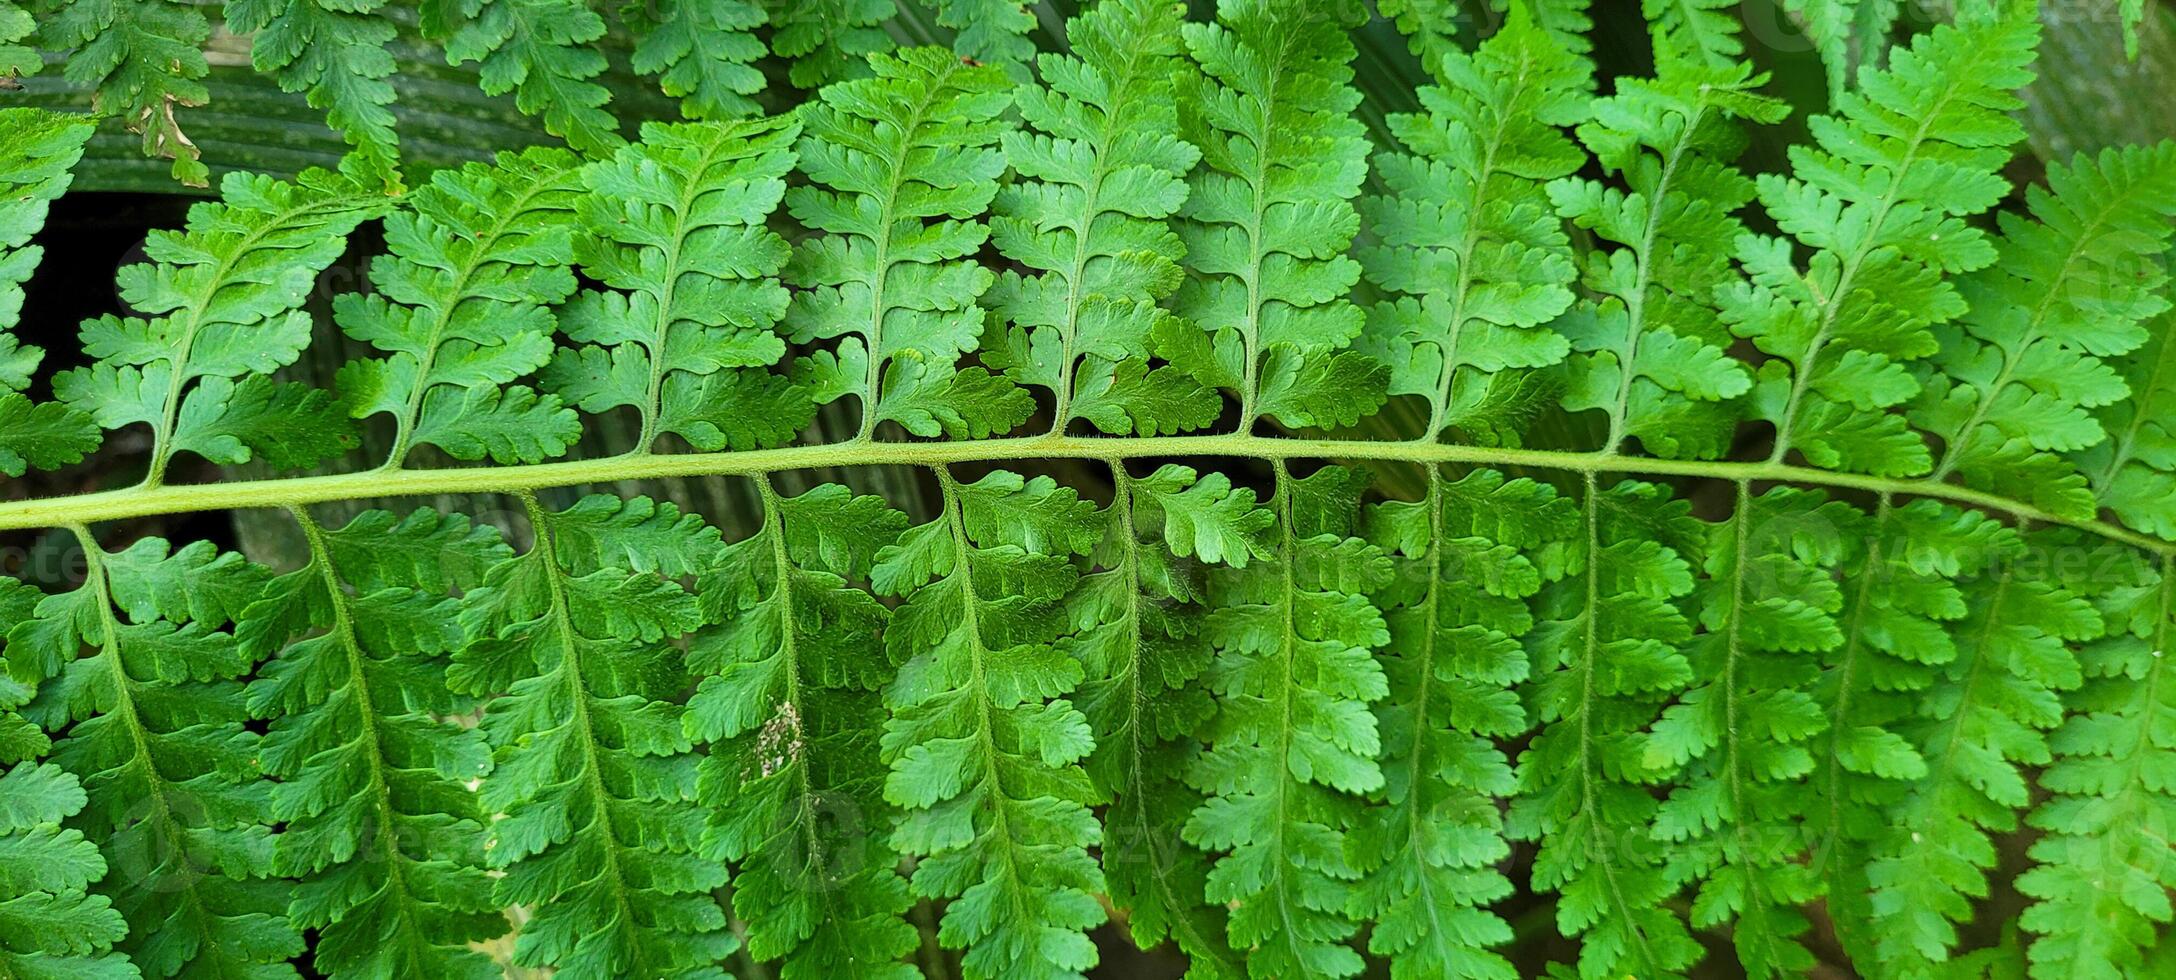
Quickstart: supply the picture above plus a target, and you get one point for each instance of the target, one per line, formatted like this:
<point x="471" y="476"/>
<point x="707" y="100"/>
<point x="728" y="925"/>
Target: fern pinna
<point x="1531" y="535"/>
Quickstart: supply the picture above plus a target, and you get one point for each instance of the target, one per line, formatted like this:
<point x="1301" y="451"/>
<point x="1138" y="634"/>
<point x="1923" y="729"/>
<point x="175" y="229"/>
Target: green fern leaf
<point x="992" y="31"/>
<point x="143" y="61"/>
<point x="151" y="719"/>
<point x="1140" y="640"/>
<point x="596" y="780"/>
<point x="54" y="925"/>
<point x="788" y="702"/>
<point x="383" y="836"/>
<point x="829" y="40"/>
<point x="1608" y="650"/>
<point x="335" y="50"/>
<point x="462" y="309"/>
<point x="897" y="205"/>
<point x="1881" y="201"/>
<point x="1293" y="747"/>
<point x="1652" y="354"/>
<point x="2103" y="870"/>
<point x="2074" y="287"/>
<point x="677" y="222"/>
<point x="542" y="51"/>
<point x="1269" y="217"/>
<point x="40" y="147"/>
<point x="223" y="302"/>
<point x="700" y="51"/>
<point x="1102" y="170"/>
<point x="1473" y="266"/>
<point x="1455" y="612"/>
<point x="984" y="748"/>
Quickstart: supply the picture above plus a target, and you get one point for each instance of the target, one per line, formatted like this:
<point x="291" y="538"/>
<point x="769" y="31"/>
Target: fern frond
<point x="543" y="51"/>
<point x="53" y="924"/>
<point x="903" y="163"/>
<point x="2134" y="472"/>
<point x="991" y="31"/>
<point x="1293" y="746"/>
<point x="335" y="50"/>
<point x="2072" y="287"/>
<point x="151" y="719"/>
<point x="701" y="52"/>
<point x="788" y="702"/>
<point x="2103" y="868"/>
<point x="1470" y="555"/>
<point x="223" y="302"/>
<point x="829" y="40"/>
<point x="1705" y="31"/>
<point x="1474" y="265"/>
<point x="1851" y="35"/>
<point x="594" y="776"/>
<point x="1143" y="648"/>
<point x="1979" y="728"/>
<point x="1881" y="203"/>
<point x="1738" y="815"/>
<point x="1608" y="651"/>
<point x="143" y="61"/>
<point x="677" y="223"/>
<point x="16" y="24"/>
<point x="462" y="305"/>
<point x="984" y="748"/>
<point x="1652" y="354"/>
<point x="1100" y="169"/>
<point x="36" y="151"/>
<point x="1431" y="27"/>
<point x="382" y="835"/>
<point x="1903" y="600"/>
<point x="1269" y="217"/>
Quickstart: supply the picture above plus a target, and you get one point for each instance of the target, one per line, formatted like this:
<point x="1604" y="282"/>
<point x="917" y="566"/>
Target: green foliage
<point x="1749" y="574"/>
<point x="143" y="61"/>
<point x="901" y="164"/>
<point x="1269" y="217"/>
<point x="39" y="150"/>
<point x="1098" y="170"/>
<point x="1475" y="265"/>
<point x="335" y="50"/>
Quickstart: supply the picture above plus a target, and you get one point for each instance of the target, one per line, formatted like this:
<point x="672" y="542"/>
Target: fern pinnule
<point x="143" y="61"/>
<point x="1292" y="748"/>
<point x="984" y="748"/>
<point x="1980" y="727"/>
<point x="592" y="771"/>
<point x="1739" y="735"/>
<point x="1474" y="264"/>
<point x="141" y="687"/>
<point x="685" y="336"/>
<point x="2073" y="288"/>
<point x="1608" y="651"/>
<point x="37" y="150"/>
<point x="1098" y="170"/>
<point x="542" y="51"/>
<point x="788" y="703"/>
<point x="222" y="309"/>
<point x="1269" y="217"/>
<point x="1141" y="640"/>
<point x="2102" y="868"/>
<point x="1471" y="554"/>
<point x="462" y="311"/>
<point x="382" y="835"/>
<point x="335" y="51"/>
<point x="55" y="926"/>
<point x="701" y="52"/>
<point x="901" y="164"/>
<point x="1881" y="200"/>
<point x="1652" y="353"/>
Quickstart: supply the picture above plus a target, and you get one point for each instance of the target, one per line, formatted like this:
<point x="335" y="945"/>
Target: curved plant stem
<point x="144" y="501"/>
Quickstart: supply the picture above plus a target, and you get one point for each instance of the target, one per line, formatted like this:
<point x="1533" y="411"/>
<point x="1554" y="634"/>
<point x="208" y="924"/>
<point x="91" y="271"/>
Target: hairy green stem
<point x="180" y="499"/>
